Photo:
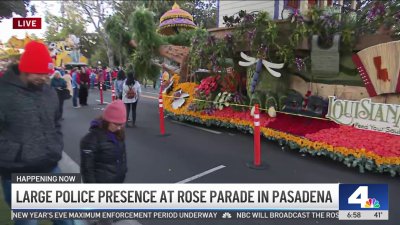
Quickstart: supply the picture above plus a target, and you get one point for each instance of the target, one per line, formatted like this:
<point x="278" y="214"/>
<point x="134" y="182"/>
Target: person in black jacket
<point x="30" y="133"/>
<point x="103" y="154"/>
<point x="60" y="86"/>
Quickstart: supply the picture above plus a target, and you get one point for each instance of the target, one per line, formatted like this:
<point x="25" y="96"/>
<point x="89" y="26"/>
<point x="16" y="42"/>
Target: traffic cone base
<point x="251" y="165"/>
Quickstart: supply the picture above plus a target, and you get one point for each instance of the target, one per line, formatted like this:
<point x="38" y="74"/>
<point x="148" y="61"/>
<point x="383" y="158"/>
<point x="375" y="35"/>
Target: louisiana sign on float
<point x="365" y="114"/>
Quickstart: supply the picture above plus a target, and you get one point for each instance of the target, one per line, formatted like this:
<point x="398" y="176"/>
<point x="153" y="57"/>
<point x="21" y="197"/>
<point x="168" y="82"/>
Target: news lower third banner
<point x="65" y="198"/>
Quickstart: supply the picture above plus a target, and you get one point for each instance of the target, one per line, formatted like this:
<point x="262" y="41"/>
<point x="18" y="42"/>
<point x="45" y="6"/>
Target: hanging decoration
<point x="175" y="20"/>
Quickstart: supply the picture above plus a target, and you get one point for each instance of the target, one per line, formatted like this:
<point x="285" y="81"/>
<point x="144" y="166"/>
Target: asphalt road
<point x="191" y="150"/>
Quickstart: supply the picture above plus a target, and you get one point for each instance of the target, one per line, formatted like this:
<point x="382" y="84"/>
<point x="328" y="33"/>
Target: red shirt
<point x="84" y="77"/>
<point x="78" y="77"/>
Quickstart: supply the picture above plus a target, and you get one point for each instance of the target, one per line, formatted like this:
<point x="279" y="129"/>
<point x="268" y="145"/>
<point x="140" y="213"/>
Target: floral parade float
<point x="327" y="82"/>
<point x="62" y="52"/>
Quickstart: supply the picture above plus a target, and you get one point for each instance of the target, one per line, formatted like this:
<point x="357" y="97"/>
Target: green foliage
<point x="205" y="104"/>
<point x="204" y="12"/>
<point x="90" y="43"/>
<point x="183" y="38"/>
<point x="20" y="7"/>
<point x="59" y="28"/>
<point x="98" y="55"/>
<point x="148" y="43"/>
<point x="369" y="19"/>
<point x="258" y="98"/>
<point x="285" y="53"/>
<point x="196" y="54"/>
<point x="211" y="53"/>
<point x="300" y="32"/>
<point x="117" y="28"/>
<point x="144" y="28"/>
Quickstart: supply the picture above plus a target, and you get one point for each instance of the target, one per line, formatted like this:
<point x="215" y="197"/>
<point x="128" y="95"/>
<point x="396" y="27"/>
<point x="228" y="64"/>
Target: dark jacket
<point x="103" y="157"/>
<point x="30" y="134"/>
<point x="58" y="83"/>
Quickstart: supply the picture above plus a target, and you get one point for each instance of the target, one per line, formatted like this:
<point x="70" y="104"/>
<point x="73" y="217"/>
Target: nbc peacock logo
<point x="372" y="203"/>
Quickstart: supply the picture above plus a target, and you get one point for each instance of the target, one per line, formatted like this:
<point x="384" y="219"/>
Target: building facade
<point x="275" y="8"/>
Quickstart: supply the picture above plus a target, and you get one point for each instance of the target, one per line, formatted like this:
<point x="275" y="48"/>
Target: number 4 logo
<point x="360" y="196"/>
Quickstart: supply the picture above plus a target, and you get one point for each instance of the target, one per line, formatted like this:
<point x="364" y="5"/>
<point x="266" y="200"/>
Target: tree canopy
<point x="20" y="7"/>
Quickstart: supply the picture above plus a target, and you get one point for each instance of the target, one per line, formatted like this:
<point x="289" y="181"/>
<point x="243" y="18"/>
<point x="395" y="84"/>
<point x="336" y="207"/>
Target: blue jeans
<point x="75" y="97"/>
<point x="6" y="184"/>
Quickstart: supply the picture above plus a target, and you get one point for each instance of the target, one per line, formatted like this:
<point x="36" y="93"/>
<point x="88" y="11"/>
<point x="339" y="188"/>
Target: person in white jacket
<point x="130" y="96"/>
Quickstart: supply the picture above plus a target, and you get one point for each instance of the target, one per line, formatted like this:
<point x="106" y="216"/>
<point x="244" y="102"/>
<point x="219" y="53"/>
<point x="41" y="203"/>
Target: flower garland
<point x="316" y="137"/>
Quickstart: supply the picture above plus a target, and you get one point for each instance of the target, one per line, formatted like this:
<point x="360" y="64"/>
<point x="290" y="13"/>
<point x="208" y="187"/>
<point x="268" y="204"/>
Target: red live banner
<point x="27" y="23"/>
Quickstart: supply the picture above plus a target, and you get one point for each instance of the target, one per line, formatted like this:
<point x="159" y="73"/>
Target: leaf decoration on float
<point x="222" y="100"/>
<point x="179" y="99"/>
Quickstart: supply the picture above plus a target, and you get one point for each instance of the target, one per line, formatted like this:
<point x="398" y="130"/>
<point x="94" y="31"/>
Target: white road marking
<point x="68" y="165"/>
<point x="152" y="93"/>
<point x="200" y="128"/>
<point x="103" y="101"/>
<point x="201" y="174"/>
<point x="146" y="96"/>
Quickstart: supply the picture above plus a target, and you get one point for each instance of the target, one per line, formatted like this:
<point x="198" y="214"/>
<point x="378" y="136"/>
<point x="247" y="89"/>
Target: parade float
<point x="65" y="52"/>
<point x="327" y="83"/>
<point x="12" y="50"/>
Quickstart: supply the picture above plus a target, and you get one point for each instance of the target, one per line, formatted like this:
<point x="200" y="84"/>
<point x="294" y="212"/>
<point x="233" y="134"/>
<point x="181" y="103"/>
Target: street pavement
<point x="197" y="154"/>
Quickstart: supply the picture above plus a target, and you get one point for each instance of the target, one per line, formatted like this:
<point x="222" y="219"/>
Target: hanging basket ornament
<point x="175" y="20"/>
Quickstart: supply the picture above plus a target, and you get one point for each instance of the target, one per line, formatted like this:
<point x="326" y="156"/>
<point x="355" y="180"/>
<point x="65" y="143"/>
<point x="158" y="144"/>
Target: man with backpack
<point x="130" y="96"/>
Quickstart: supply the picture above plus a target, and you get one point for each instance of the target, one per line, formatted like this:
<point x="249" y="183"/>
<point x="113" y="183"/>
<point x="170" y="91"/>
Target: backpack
<point x="131" y="93"/>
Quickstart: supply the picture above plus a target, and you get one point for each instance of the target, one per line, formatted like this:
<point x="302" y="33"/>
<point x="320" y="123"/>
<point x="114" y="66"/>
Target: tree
<point x="90" y="43"/>
<point x="96" y="14"/>
<point x="99" y="55"/>
<point x="20" y="7"/>
<point x="117" y="28"/>
<point x="204" y="12"/>
<point x="60" y="27"/>
<point x="148" y="43"/>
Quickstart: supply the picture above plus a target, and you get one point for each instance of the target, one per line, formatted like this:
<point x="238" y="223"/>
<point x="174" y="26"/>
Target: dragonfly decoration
<point x="259" y="64"/>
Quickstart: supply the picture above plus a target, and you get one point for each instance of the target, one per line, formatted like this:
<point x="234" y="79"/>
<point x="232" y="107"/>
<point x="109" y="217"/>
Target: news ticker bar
<point x="47" y="178"/>
<point x="363" y="215"/>
<point x="197" y="215"/>
<point x="67" y="194"/>
<point x="193" y="196"/>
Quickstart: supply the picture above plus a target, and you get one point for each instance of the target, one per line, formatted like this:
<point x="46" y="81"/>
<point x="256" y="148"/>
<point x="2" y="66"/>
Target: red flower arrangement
<point x="323" y="131"/>
<point x="208" y="84"/>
